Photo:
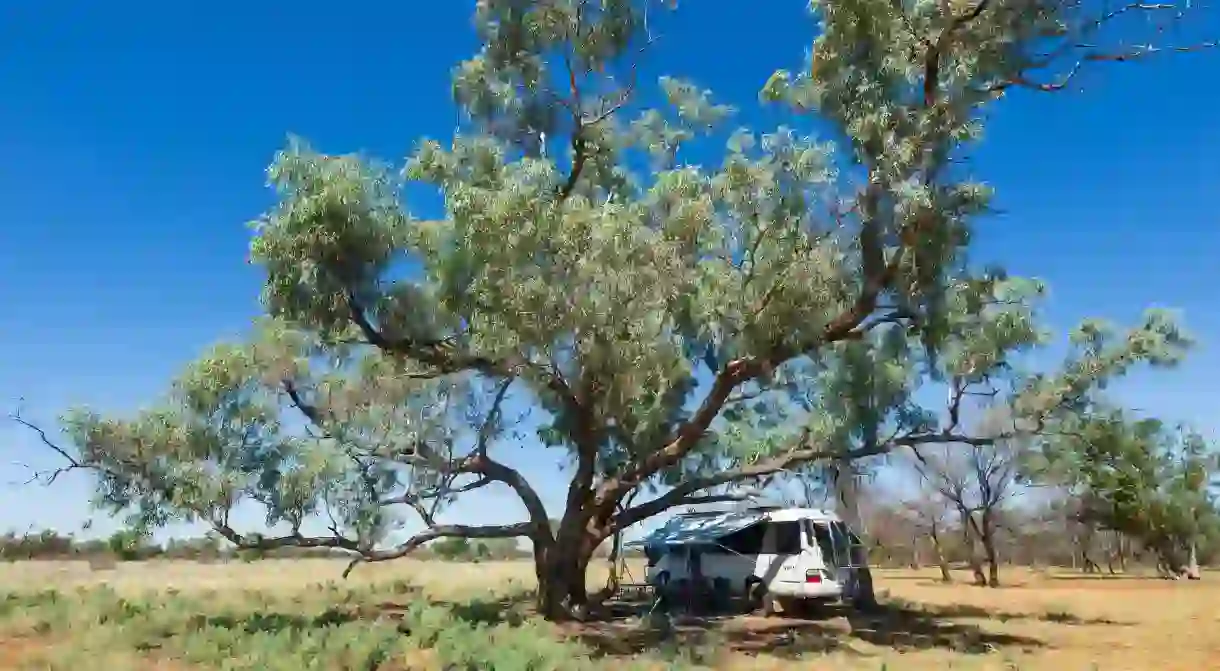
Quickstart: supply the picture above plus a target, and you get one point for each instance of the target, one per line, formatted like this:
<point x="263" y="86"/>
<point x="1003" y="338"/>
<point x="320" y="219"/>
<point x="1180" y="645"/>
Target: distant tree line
<point x="129" y="545"/>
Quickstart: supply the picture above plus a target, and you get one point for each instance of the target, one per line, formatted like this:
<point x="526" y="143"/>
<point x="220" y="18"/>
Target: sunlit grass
<point x="287" y="614"/>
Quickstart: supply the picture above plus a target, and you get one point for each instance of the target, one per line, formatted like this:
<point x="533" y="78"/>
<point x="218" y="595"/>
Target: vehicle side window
<point x="787" y="538"/>
<point x="842" y="543"/>
<point x="748" y="541"/>
<point x="822" y="533"/>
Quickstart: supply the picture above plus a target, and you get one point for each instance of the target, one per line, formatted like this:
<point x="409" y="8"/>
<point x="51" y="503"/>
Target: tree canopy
<point x="682" y="326"/>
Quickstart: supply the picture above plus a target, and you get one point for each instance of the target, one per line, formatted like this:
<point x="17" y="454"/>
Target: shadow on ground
<point x="898" y="625"/>
<point x="621" y="631"/>
<point x="968" y="611"/>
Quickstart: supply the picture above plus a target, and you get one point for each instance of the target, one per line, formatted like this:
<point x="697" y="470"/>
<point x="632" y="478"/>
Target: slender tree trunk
<point x="1192" y="562"/>
<point x="1085" y="545"/>
<point x="968" y="544"/>
<point x="939" y="554"/>
<point x="614" y="581"/>
<point x="993" y="560"/>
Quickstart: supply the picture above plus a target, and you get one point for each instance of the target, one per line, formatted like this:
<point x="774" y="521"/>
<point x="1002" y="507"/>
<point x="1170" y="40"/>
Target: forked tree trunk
<point x="986" y="533"/>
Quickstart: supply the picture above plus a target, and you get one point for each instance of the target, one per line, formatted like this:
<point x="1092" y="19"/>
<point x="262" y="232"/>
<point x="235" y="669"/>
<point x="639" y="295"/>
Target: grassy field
<point x="298" y="614"/>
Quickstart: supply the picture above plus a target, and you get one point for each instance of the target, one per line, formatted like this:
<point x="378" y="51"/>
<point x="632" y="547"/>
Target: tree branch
<point x="444" y="531"/>
<point x="683" y="491"/>
<point x="47" y="477"/>
<point x="1091" y="53"/>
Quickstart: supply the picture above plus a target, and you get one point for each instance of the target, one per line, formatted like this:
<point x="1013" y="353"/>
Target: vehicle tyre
<point x="682" y="593"/>
<point x="770" y="606"/>
<point x="796" y="608"/>
<point x="756" y="596"/>
<point x="865" y="598"/>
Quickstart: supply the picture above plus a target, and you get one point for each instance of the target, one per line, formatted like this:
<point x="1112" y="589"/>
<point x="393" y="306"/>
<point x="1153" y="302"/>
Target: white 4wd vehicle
<point x="793" y="556"/>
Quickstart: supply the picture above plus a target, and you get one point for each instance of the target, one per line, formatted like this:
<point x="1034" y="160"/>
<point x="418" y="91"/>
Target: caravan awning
<point x="707" y="528"/>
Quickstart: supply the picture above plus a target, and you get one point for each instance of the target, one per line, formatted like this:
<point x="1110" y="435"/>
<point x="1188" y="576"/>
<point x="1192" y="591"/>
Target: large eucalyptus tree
<point x="683" y="327"/>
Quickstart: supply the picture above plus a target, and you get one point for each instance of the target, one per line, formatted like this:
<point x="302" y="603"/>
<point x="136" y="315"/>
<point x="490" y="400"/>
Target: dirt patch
<point x="15" y="651"/>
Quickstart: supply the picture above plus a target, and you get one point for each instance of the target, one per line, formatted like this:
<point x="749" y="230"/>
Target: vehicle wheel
<point x="865" y="598"/>
<point x="795" y="608"/>
<point x="756" y="597"/>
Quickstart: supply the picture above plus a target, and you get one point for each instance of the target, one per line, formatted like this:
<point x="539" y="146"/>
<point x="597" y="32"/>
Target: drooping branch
<point x="443" y="531"/>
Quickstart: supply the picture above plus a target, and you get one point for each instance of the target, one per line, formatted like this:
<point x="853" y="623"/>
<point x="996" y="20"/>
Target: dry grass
<point x="1059" y="622"/>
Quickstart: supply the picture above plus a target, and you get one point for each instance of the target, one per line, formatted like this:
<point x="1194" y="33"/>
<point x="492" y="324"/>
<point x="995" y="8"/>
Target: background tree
<point x="1145" y="480"/>
<point x="683" y="327"/>
<point x="976" y="482"/>
<point x="932" y="515"/>
<point x="452" y="548"/>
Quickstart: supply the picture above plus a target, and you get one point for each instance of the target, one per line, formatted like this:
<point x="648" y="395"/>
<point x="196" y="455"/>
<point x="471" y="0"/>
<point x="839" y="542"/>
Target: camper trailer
<point x="790" y="557"/>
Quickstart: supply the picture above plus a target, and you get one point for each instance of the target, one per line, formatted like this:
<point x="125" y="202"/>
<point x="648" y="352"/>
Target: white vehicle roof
<point x="707" y="527"/>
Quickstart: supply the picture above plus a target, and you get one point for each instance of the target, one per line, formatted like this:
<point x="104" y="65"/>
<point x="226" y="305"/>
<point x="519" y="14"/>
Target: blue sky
<point x="135" y="138"/>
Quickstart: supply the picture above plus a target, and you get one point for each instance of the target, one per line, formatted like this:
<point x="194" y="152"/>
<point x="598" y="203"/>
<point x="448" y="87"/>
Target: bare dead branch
<point x="47" y="477"/>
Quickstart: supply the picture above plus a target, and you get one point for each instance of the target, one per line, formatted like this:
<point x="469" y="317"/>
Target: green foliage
<point x="126" y="544"/>
<point x="452" y="548"/>
<point x="1149" y="481"/>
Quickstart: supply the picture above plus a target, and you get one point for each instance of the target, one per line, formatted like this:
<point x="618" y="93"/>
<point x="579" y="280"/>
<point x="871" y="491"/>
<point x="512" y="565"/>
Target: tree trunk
<point x="1192" y="562"/>
<point x="993" y="560"/>
<point x="939" y="555"/>
<point x="968" y="544"/>
<point x="614" y="580"/>
<point x="847" y="498"/>
<point x="561" y="573"/>
<point x="985" y="531"/>
<point x="1090" y="566"/>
